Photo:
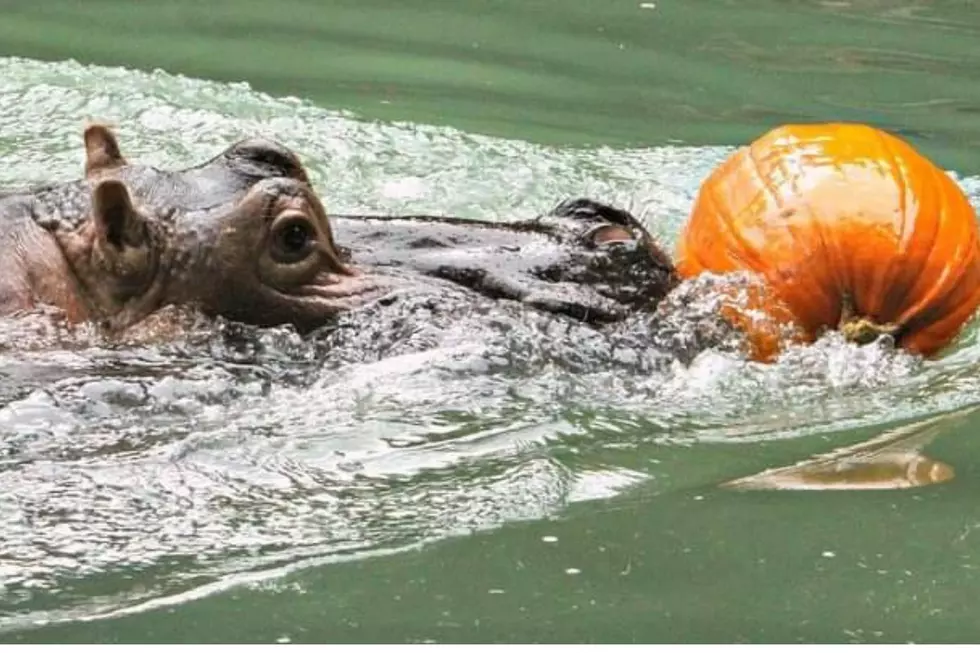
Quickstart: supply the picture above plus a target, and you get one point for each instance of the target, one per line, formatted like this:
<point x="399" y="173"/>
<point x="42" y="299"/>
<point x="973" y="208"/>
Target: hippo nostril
<point x="609" y="234"/>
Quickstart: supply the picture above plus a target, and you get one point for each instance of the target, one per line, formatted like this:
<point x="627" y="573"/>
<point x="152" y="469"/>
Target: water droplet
<point x="829" y="554"/>
<point x="550" y="539"/>
<point x="572" y="571"/>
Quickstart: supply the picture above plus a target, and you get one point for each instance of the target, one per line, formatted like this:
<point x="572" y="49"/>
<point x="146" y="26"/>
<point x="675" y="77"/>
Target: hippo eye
<point x="292" y="240"/>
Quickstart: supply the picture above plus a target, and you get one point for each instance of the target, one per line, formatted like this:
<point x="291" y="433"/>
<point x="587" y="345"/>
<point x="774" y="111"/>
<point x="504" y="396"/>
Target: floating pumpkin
<point x="849" y="226"/>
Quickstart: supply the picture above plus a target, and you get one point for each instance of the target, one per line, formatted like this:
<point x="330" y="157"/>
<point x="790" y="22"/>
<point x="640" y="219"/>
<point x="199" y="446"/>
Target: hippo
<point x="245" y="237"/>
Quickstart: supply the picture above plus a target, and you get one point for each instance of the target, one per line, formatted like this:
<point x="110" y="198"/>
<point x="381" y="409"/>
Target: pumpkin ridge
<point x="936" y="292"/>
<point x="833" y="295"/>
<point x="747" y="254"/>
<point x="932" y="206"/>
<point x="890" y="302"/>
<point x="924" y="341"/>
<point x="764" y="182"/>
<point x="834" y="292"/>
<point x="948" y="297"/>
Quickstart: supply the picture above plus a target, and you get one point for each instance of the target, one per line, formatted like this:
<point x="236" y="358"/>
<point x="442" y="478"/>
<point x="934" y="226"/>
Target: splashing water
<point x="134" y="472"/>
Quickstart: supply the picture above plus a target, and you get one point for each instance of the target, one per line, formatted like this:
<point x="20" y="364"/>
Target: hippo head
<point x="266" y="258"/>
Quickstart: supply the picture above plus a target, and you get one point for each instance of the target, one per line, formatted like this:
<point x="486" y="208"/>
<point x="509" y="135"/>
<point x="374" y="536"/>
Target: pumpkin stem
<point x="859" y="329"/>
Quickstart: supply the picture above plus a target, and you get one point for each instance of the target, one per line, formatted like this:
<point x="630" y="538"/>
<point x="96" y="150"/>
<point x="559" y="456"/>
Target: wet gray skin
<point x="243" y="236"/>
<point x="584" y="259"/>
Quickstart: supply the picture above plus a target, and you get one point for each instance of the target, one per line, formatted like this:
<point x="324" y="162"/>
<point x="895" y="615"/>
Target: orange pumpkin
<point x="851" y="228"/>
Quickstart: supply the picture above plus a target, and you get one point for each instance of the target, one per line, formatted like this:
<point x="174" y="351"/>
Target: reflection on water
<point x="890" y="461"/>
<point x="133" y="472"/>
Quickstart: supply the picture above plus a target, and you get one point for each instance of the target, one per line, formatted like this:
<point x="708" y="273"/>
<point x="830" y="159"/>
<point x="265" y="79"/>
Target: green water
<point x="588" y="72"/>
<point x="179" y="495"/>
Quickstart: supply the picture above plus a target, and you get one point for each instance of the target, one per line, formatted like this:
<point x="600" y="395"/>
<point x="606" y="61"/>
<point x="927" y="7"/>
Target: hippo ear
<point x="101" y="150"/>
<point x="117" y="223"/>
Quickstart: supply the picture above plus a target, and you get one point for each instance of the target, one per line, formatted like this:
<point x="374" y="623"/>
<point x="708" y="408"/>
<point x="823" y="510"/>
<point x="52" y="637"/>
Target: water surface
<point x="513" y="479"/>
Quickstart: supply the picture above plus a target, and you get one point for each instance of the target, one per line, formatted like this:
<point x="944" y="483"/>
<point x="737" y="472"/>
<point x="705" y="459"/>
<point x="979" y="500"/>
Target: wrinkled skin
<point x="245" y="237"/>
<point x="585" y="259"/>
